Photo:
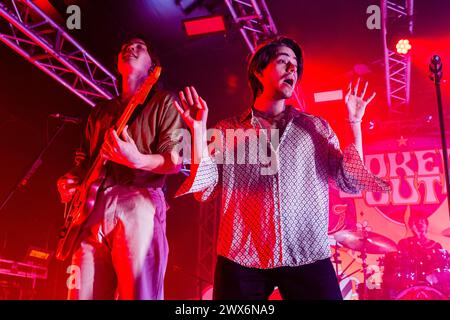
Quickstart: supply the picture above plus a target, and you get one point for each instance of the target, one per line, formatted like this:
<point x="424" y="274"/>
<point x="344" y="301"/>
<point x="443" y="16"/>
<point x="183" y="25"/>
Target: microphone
<point x="75" y="120"/>
<point x="436" y="68"/>
<point x="436" y="59"/>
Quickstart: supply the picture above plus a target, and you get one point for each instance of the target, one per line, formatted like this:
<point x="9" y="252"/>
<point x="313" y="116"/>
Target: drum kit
<point x="420" y="275"/>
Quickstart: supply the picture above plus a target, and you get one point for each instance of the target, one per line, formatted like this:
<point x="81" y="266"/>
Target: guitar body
<point x="84" y="199"/>
<point x="80" y="209"/>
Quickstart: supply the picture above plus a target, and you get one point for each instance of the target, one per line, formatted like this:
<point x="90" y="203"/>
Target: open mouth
<point x="128" y="56"/>
<point x="288" y="81"/>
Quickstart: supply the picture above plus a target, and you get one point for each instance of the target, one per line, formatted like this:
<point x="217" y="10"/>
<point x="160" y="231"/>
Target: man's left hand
<point x="356" y="105"/>
<point x="121" y="150"/>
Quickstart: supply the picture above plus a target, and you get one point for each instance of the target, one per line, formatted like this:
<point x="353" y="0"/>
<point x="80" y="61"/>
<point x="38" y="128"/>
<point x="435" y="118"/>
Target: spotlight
<point x="38" y="256"/>
<point x="334" y="95"/>
<point x="204" y="25"/>
<point x="403" y="46"/>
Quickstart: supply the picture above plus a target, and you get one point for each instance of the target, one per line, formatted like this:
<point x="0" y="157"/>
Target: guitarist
<point x="122" y="248"/>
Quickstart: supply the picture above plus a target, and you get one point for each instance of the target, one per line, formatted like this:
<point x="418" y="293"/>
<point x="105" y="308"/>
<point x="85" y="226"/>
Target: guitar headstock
<point x="145" y="88"/>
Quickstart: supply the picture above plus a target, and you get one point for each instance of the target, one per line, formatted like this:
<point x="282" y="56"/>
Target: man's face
<point x="420" y="227"/>
<point x="280" y="76"/>
<point x="134" y="57"/>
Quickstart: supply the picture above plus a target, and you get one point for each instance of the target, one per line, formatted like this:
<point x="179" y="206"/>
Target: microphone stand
<point x="36" y="164"/>
<point x="436" y="69"/>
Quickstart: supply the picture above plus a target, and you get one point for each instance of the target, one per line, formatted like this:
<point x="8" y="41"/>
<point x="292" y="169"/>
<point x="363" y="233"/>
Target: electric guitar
<point x="82" y="203"/>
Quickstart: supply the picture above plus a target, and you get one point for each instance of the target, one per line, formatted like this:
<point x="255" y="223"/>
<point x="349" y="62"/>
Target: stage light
<point x="204" y="25"/>
<point x="403" y="46"/>
<point x="38" y="255"/>
<point x="324" y="96"/>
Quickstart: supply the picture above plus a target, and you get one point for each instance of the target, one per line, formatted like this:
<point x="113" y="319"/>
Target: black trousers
<point x="315" y="281"/>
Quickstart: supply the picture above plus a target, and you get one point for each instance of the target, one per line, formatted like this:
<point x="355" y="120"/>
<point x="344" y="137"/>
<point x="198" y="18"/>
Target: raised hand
<point x="356" y="105"/>
<point x="193" y="109"/>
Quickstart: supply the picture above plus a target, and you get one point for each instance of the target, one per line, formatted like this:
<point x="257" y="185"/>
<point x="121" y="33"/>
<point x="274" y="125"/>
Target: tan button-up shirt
<point x="153" y="127"/>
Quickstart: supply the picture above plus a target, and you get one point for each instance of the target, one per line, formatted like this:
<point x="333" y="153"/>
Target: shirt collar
<point x="248" y="113"/>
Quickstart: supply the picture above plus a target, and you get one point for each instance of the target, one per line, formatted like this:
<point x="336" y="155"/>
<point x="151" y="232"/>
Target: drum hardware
<point x="363" y="257"/>
<point x="418" y="274"/>
<point x="350" y="274"/>
<point x="336" y="260"/>
<point x="365" y="242"/>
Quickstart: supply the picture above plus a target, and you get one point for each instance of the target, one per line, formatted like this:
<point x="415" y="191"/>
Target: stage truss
<point x="26" y="29"/>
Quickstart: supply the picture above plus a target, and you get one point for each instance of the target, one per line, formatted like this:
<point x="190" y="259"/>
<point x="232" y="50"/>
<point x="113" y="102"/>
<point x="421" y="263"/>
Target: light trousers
<point x="123" y="249"/>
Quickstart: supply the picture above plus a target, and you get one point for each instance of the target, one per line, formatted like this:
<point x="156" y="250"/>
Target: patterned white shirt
<point x="280" y="219"/>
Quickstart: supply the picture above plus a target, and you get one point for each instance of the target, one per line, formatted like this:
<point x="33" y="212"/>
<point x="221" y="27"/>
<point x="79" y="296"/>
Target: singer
<point x="273" y="228"/>
<point x="123" y="246"/>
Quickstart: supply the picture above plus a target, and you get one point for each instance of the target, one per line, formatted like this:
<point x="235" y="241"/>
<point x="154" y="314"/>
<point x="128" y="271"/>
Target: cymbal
<point x="367" y="241"/>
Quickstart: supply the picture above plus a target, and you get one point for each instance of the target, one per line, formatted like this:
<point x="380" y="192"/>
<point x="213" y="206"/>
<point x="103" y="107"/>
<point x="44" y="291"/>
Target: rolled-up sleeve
<point x="348" y="170"/>
<point x="169" y="124"/>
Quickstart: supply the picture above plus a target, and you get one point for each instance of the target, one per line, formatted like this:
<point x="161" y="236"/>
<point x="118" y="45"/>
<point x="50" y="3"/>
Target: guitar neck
<point x="126" y="115"/>
<point x="99" y="161"/>
<point x="137" y="99"/>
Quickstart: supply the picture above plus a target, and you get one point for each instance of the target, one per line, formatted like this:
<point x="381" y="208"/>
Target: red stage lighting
<point x="403" y="46"/>
<point x="204" y="25"/>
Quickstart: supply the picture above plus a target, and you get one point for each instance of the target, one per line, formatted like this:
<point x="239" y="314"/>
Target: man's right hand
<point x="193" y="109"/>
<point x="195" y="113"/>
<point x="67" y="186"/>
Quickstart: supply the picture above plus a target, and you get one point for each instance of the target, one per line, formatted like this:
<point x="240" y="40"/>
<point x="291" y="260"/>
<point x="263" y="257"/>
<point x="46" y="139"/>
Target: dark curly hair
<point x="414" y="220"/>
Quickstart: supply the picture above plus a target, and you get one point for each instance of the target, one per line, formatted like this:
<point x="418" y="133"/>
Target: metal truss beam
<point x="253" y="19"/>
<point x="26" y="29"/>
<point x="397" y="66"/>
<point x="207" y="239"/>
